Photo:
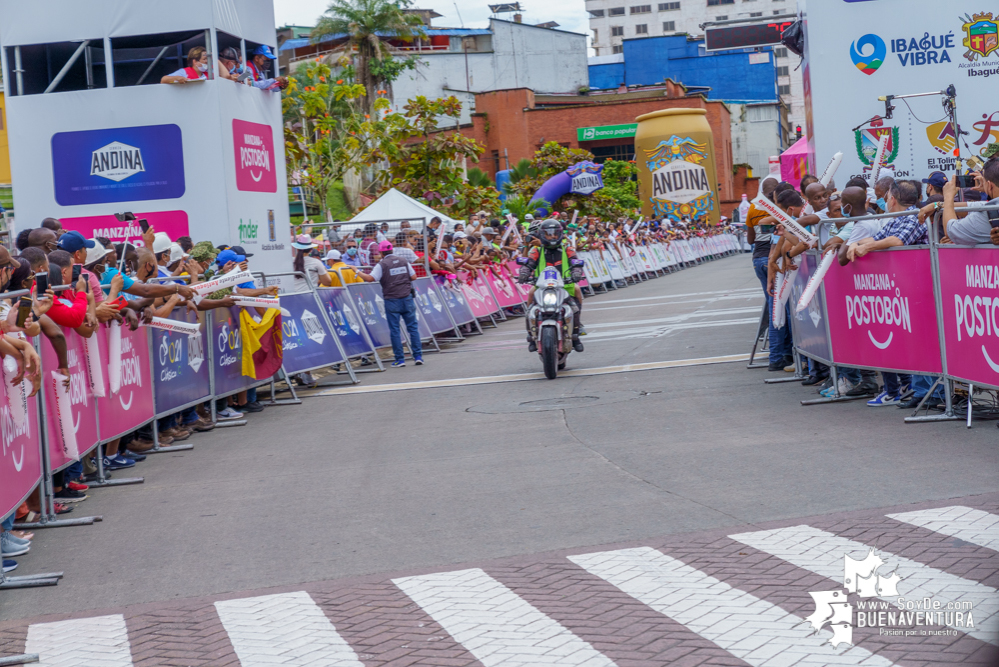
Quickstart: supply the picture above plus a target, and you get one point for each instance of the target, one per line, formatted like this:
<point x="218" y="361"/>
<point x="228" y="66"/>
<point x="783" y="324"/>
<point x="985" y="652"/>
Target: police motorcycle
<point x="553" y="314"/>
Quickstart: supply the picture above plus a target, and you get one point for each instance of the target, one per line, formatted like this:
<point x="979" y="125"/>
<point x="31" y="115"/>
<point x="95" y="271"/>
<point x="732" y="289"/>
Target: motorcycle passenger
<point x="554" y="251"/>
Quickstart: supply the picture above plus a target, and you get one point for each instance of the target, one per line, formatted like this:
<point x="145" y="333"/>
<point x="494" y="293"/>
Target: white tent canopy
<point x="394" y="205"/>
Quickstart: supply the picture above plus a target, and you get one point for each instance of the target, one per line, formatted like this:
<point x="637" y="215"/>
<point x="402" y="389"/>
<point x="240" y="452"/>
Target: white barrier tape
<point x="227" y="280"/>
<point x="64" y="415"/>
<point x="812" y="288"/>
<point x="17" y="398"/>
<point x="789" y="223"/>
<point x="879" y="158"/>
<point x="189" y="328"/>
<point x="831" y="168"/>
<point x="258" y="302"/>
<point x="93" y="356"/>
<point x="114" y="356"/>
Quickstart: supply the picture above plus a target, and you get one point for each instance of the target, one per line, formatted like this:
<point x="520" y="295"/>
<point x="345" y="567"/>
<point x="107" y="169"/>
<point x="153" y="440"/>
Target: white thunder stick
<point x="879" y="158"/>
<point x="831" y="168"/>
<point x="574" y="214"/>
<point x="93" y="356"/>
<point x="64" y="415"/>
<point x="784" y="293"/>
<point x="114" y="356"/>
<point x="812" y="288"/>
<point x="226" y="280"/>
<point x="777" y="313"/>
<point x="790" y="223"/>
<point x="17" y="398"/>
<point x="189" y="328"/>
<point x="258" y="302"/>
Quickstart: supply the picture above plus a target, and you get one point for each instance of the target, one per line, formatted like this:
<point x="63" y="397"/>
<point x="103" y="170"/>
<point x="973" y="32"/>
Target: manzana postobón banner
<point x="969" y="289"/>
<point x="81" y="420"/>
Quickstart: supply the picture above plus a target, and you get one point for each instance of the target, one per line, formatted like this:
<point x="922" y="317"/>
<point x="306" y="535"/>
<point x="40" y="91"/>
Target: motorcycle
<point x="550" y="318"/>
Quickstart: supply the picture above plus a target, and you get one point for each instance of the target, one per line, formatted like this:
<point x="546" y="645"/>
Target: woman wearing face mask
<point x="197" y="68"/>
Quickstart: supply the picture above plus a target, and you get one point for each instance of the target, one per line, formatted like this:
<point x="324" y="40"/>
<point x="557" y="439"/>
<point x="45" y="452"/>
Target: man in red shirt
<point x="71" y="307"/>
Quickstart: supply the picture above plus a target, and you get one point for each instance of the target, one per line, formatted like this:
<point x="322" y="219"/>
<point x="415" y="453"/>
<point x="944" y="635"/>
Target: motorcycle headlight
<point x="549" y="299"/>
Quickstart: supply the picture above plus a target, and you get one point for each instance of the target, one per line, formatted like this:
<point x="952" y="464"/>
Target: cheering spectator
<point x="337" y="268"/>
<point x="350" y="254"/>
<point x="975" y="227"/>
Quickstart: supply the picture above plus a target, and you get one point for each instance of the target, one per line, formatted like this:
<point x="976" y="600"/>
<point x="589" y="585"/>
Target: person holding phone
<point x="977" y="226"/>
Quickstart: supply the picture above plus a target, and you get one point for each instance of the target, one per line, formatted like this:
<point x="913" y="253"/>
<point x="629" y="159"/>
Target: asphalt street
<point x="373" y="479"/>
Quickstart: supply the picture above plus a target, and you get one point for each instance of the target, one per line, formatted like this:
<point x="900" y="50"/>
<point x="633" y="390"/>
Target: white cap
<point x="528" y="217"/>
<point x="96" y="253"/>
<point x="176" y="253"/>
<point x="333" y="254"/>
<point x="161" y="242"/>
<point x="460" y="235"/>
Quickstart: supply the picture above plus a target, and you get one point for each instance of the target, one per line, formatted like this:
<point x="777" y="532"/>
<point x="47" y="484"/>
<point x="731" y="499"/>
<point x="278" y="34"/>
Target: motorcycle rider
<point x="554" y="251"/>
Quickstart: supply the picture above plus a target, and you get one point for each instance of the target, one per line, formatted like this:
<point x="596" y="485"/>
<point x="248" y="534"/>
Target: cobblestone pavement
<point x="749" y="596"/>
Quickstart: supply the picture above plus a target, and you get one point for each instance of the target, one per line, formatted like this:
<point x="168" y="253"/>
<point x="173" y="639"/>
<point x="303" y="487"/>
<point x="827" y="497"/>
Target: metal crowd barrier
<point x="916" y="289"/>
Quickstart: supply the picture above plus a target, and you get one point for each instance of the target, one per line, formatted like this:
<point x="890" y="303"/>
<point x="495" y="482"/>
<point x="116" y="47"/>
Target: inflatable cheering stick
<point x="93" y="355"/>
<point x="813" y="283"/>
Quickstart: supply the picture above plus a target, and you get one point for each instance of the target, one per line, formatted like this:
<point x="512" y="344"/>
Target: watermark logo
<point x="868" y="53"/>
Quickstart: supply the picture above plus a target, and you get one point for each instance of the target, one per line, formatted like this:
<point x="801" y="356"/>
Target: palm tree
<point x="520" y="171"/>
<point x="519" y="206"/>
<point x="364" y="23"/>
<point x="479" y="178"/>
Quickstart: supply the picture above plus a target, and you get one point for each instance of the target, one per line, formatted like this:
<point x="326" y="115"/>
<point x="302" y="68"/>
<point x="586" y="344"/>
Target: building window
<point x="669" y="6"/>
<point x="641" y="9"/>
<point x="783" y="71"/>
<point x="755" y="14"/>
<point x="761" y="114"/>
<point x="624" y="152"/>
<point x="617" y="31"/>
<point x="669" y="26"/>
<point x="723" y="17"/>
<point x="496" y="161"/>
<point x="780" y="52"/>
<point x="617" y="49"/>
<point x="642" y="29"/>
<point x="596" y="13"/>
<point x="784" y="90"/>
<point x="713" y="3"/>
<point x="595" y="38"/>
<point x="615" y="11"/>
<point x="777" y="12"/>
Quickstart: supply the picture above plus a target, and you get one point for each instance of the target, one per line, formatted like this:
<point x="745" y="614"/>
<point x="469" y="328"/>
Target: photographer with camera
<point x="977" y="226"/>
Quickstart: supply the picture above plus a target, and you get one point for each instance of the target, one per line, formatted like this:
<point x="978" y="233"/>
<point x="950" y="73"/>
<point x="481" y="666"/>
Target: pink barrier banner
<point x="21" y="460"/>
<point x="504" y="288"/>
<point x="132" y="406"/>
<point x="969" y="289"/>
<point x="173" y="223"/>
<point x="477" y="295"/>
<point x="82" y="400"/>
<point x="882" y="312"/>
<point x="513" y="270"/>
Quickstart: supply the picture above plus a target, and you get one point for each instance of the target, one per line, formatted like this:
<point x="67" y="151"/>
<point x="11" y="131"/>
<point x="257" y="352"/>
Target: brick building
<point x="513" y="124"/>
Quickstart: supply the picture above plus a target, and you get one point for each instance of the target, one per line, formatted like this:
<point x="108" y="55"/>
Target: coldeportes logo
<point x="868" y="53"/>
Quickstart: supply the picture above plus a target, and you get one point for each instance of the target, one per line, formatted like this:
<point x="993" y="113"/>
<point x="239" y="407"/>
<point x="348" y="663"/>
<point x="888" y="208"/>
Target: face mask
<point x="351" y="251"/>
<point x="202" y="67"/>
<point x="882" y="204"/>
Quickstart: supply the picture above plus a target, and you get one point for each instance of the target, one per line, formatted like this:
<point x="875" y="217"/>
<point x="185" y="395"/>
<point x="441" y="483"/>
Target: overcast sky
<point x="569" y="14"/>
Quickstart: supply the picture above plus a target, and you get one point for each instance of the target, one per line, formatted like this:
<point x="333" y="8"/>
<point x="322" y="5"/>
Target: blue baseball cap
<point x="264" y="50"/>
<point x="227" y="256"/>
<point x="937" y="179"/>
<point x="73" y="241"/>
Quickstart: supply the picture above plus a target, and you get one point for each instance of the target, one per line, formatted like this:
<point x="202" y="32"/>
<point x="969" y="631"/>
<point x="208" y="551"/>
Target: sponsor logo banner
<point x="117" y="165"/>
<point x="969" y="289"/>
<point x="256" y="170"/>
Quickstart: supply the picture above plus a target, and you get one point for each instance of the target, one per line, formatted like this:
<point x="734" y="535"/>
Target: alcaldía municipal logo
<point x="981" y="35"/>
<point x="868" y="53"/>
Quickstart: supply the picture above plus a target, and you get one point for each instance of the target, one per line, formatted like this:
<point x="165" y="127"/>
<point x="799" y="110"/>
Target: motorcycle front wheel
<point x="549" y="351"/>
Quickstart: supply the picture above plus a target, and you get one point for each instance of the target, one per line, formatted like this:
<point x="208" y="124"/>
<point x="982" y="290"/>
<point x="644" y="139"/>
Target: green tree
<point x="364" y="23"/>
<point x="520" y="206"/>
<point x="620" y="183"/>
<point x="321" y="120"/>
<point x="479" y="178"/>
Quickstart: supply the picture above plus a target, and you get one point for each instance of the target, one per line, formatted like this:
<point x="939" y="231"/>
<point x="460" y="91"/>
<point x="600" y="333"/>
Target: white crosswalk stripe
<point x="496" y="625"/>
<point x="287" y="629"/>
<point x="100" y="641"/>
<point x="965" y="523"/>
<point x="753" y="630"/>
<point x="823" y="553"/>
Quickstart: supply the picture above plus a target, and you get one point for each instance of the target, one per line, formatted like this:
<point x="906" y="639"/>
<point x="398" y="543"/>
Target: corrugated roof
<point x="431" y="32"/>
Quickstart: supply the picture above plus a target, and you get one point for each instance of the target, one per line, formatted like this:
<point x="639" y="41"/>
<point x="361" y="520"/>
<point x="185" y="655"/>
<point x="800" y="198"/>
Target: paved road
<point x="376" y="509"/>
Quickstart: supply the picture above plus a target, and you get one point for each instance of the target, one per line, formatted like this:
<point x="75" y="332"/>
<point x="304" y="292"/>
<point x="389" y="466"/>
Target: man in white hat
<point x="337" y="267"/>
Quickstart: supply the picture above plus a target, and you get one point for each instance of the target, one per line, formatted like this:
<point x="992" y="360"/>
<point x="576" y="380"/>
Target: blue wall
<point x="652" y="60"/>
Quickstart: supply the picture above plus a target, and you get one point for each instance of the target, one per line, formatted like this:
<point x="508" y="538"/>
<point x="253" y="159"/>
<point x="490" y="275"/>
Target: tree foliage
<point x="364" y="24"/>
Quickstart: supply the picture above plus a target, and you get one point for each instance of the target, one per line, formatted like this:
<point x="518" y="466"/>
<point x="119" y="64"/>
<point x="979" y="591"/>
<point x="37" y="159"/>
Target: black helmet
<point x="550" y="233"/>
